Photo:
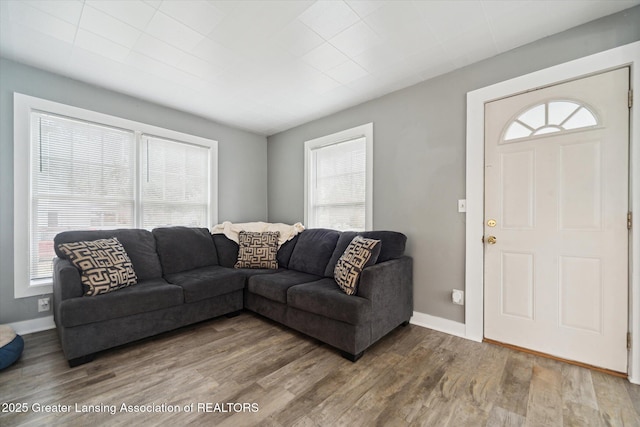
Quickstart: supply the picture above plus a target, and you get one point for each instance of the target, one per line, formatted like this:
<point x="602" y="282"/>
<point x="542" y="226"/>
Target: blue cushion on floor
<point x="11" y="352"/>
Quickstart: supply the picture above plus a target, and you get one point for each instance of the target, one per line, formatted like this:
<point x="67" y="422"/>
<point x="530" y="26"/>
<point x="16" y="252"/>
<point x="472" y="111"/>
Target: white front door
<point x="556" y="203"/>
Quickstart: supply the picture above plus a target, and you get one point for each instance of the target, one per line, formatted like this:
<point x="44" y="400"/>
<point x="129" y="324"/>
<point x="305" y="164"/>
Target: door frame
<point x="627" y="55"/>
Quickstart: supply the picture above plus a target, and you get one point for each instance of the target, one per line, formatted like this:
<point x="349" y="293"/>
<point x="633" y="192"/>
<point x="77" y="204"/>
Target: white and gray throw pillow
<point x="104" y="265"/>
<point x="360" y="253"/>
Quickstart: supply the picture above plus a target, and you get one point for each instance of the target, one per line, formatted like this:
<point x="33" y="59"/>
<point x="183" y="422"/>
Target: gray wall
<point x="419" y="154"/>
<point x="242" y="196"/>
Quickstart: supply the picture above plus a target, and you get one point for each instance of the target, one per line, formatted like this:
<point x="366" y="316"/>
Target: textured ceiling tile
<point x="133" y="12"/>
<point x="347" y="72"/>
<point x="42" y="22"/>
<point x="33" y="48"/>
<point x="356" y="39"/>
<point x="200" y="15"/>
<point x="297" y="38"/>
<point x="173" y="32"/>
<point x="328" y="18"/>
<point x="448" y="18"/>
<point x="395" y="19"/>
<point x="366" y="7"/>
<point x="153" y="3"/>
<point x="380" y="58"/>
<point x="214" y="53"/>
<point x="108" y="27"/>
<point x="67" y="10"/>
<point x="101" y="46"/>
<point x="325" y="57"/>
<point x="158" y="49"/>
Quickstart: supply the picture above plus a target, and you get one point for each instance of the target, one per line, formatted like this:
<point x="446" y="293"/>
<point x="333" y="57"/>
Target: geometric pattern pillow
<point x="359" y="254"/>
<point x="258" y="250"/>
<point x="104" y="265"/>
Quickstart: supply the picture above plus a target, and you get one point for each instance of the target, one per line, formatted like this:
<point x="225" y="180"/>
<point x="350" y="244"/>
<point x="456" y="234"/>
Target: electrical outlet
<point x="457" y="297"/>
<point x="43" y="304"/>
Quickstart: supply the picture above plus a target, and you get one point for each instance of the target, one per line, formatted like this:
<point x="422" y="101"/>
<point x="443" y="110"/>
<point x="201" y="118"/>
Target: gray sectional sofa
<point x="186" y="275"/>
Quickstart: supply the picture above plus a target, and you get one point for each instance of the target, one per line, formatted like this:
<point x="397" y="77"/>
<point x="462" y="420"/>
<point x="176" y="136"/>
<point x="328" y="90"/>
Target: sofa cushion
<point x="313" y="250"/>
<point x="392" y="246"/>
<point x="139" y="244"/>
<point x="325" y="298"/>
<point x="285" y="251"/>
<point x="274" y="286"/>
<point x="150" y="295"/>
<point x="248" y="272"/>
<point x="359" y="254"/>
<point x="104" y="265"/>
<point x="184" y="248"/>
<point x="207" y="282"/>
<point x="227" y="250"/>
<point x="258" y="249"/>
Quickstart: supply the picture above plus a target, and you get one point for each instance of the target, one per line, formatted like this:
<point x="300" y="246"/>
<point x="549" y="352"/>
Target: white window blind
<point x="76" y="169"/>
<point x="82" y="177"/>
<point x="175" y="183"/>
<point x="338" y="187"/>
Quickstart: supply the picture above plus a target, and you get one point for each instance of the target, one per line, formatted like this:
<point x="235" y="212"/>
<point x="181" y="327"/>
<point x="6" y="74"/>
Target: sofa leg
<point x="351" y="357"/>
<point x="81" y="360"/>
<point x="405" y="323"/>
<point x="233" y="314"/>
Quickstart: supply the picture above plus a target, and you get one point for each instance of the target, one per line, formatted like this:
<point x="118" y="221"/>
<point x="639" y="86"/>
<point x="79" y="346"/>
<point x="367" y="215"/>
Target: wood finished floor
<point x="414" y="376"/>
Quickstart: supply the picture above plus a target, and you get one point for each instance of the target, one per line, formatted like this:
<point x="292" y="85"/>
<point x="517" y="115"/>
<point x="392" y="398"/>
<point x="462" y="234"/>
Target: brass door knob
<point x="492" y="240"/>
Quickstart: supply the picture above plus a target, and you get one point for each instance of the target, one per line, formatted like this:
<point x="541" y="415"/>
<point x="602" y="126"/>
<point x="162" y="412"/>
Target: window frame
<point x="363" y="131"/>
<point x="23" y="106"/>
<point x="534" y="133"/>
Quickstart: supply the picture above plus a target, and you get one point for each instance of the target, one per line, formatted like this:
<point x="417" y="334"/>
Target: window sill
<point x="34" y="288"/>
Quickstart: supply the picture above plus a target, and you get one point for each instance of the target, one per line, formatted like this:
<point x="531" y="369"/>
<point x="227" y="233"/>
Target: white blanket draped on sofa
<point x="231" y="230"/>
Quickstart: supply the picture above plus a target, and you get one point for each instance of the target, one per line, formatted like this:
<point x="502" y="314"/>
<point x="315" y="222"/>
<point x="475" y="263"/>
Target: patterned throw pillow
<point x="104" y="265"/>
<point x="359" y="254"/>
<point x="258" y="250"/>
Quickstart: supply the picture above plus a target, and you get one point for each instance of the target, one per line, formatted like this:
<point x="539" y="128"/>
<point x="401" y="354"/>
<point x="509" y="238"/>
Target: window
<point x="338" y="180"/>
<point x="550" y="117"/>
<point x="82" y="177"/>
<point x="175" y="183"/>
<point x="78" y="169"/>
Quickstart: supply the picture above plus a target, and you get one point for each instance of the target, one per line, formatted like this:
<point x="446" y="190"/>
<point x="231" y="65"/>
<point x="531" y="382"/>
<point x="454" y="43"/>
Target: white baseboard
<point x="439" y="324"/>
<point x="33" y="325"/>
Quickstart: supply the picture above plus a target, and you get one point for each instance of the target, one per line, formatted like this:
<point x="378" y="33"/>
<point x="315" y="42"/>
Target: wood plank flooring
<point x="277" y="377"/>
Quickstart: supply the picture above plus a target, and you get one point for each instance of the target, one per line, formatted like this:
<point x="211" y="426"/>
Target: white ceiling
<point x="267" y="66"/>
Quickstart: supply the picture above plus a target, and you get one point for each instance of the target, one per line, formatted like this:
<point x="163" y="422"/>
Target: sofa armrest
<point x="66" y="281"/>
<point x="389" y="287"/>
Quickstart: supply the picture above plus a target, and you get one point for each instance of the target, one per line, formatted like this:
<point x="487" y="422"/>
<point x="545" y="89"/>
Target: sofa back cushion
<point x="392" y="246"/>
<point x="313" y="250"/>
<point x="139" y="244"/>
<point x="228" y="251"/>
<point x="184" y="248"/>
<point x="286" y="250"/>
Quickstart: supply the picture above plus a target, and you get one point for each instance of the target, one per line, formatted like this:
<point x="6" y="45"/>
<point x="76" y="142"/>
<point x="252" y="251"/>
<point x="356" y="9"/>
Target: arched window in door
<point x="550" y="117"/>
